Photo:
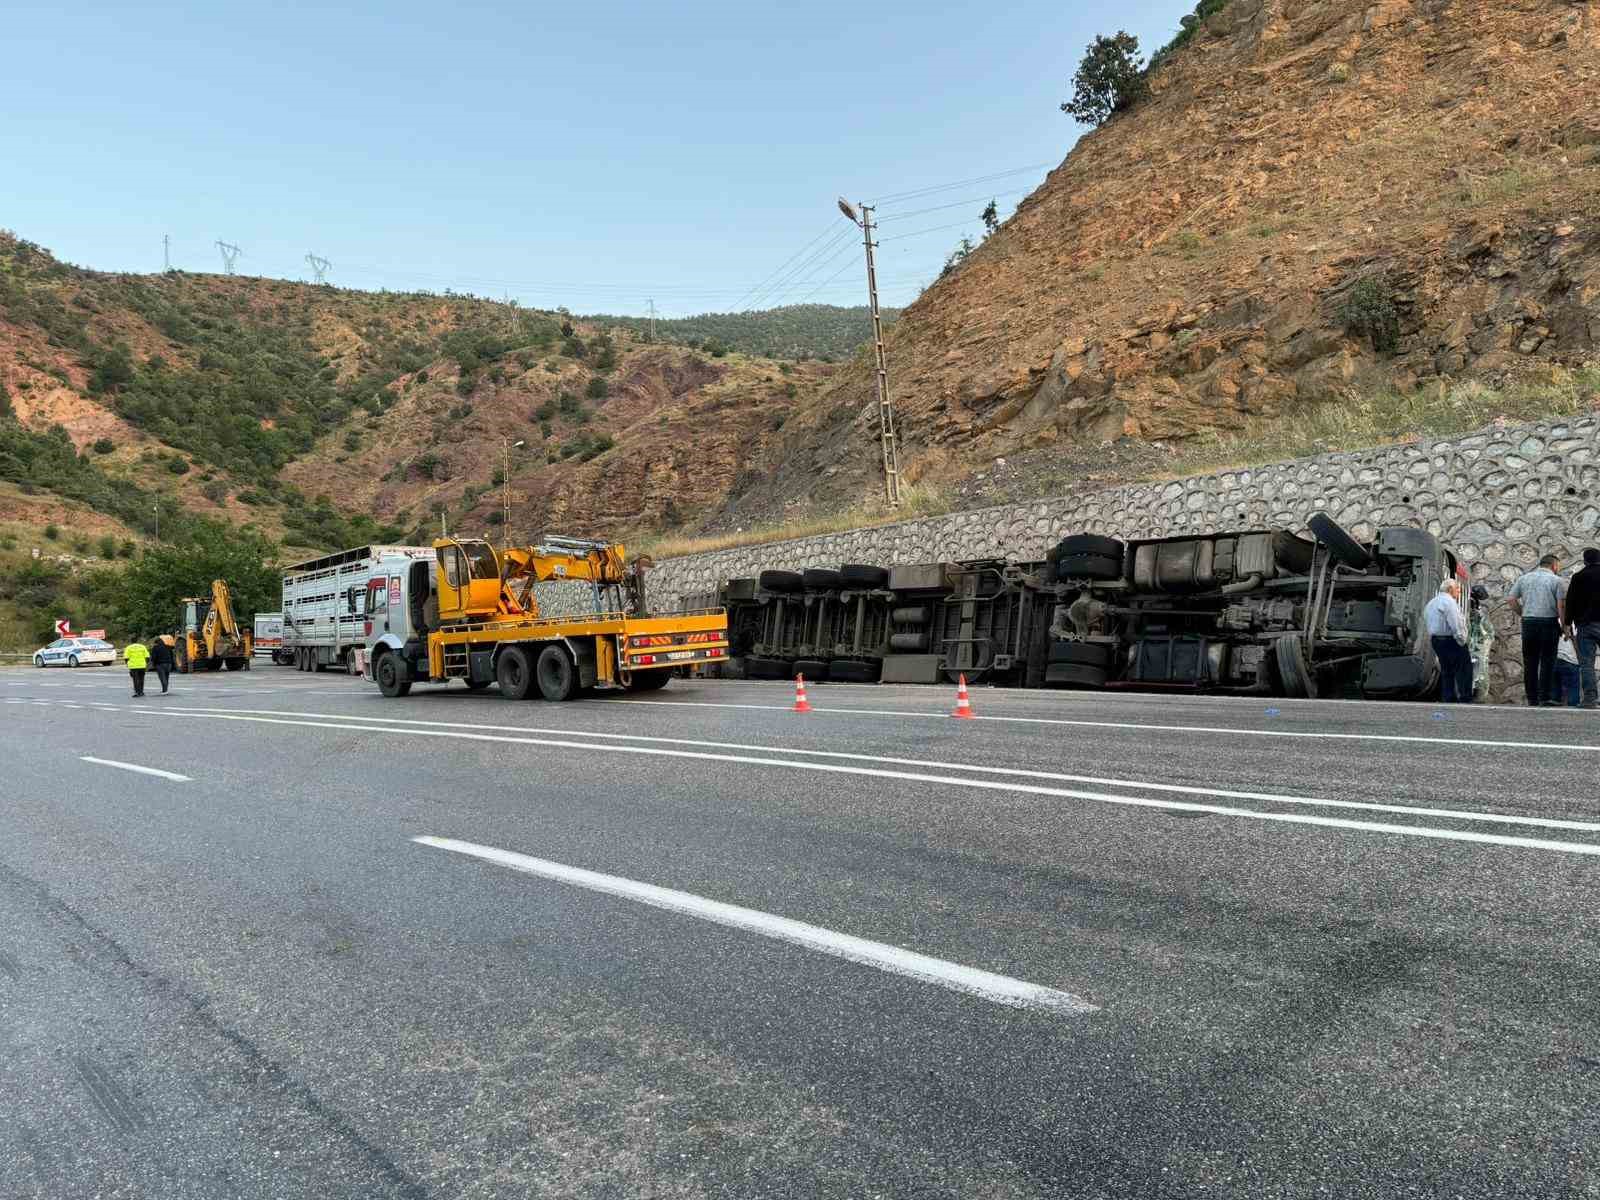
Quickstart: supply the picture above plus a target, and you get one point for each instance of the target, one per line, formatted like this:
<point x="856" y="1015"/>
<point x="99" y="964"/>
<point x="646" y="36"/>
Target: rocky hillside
<point x="327" y="417"/>
<point x="1318" y="200"/>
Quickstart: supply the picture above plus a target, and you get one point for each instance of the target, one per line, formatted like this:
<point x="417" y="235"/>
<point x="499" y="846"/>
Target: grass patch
<point x="1383" y="416"/>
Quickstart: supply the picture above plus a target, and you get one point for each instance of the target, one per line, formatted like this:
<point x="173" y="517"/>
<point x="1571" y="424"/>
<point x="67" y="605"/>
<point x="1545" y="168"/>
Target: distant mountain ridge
<point x="794" y="332"/>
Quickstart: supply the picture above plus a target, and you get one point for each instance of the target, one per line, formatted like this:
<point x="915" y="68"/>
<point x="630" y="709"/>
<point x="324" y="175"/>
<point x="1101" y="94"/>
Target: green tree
<point x="991" y="219"/>
<point x="148" y="591"/>
<point x="596" y="389"/>
<point x="1110" y="80"/>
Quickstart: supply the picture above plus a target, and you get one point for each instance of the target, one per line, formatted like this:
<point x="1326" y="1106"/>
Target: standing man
<point x="1583" y="622"/>
<point x="1539" y="598"/>
<point x="161" y="659"/>
<point x="137" y="656"/>
<point x="1447" y="627"/>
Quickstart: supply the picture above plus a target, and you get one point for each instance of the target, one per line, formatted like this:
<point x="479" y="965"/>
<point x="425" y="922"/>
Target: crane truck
<point x="210" y="637"/>
<point x="473" y="613"/>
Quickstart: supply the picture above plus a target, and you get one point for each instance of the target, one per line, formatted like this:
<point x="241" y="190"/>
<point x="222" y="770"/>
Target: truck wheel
<point x="862" y="575"/>
<point x="1299" y="682"/>
<point x="393" y="680"/>
<point x="1339" y="543"/>
<point x="1084" y="654"/>
<point x="813" y="669"/>
<point x="779" y="581"/>
<point x="1089" y="566"/>
<point x="558" y="678"/>
<point x="1088" y="543"/>
<point x="649" y="681"/>
<point x="1075" y="675"/>
<point x="514" y="673"/>
<point x="843" y="670"/>
<point x="821" y="579"/>
<point x="756" y="667"/>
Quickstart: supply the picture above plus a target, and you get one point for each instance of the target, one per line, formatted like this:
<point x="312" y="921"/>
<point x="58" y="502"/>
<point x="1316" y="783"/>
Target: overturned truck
<point x="1261" y="611"/>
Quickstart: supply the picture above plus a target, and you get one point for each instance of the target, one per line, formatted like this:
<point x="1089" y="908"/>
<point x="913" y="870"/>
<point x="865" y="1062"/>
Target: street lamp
<point x="891" y="451"/>
<point x="507" y="446"/>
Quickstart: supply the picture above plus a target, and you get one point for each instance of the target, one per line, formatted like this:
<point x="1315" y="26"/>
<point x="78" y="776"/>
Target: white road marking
<point x="977" y="768"/>
<point x="111" y="762"/>
<point x="1418" y="831"/>
<point x="1002" y="989"/>
<point x="1219" y="729"/>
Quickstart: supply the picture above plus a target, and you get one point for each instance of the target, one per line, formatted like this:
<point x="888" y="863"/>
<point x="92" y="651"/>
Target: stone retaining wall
<point x="1498" y="497"/>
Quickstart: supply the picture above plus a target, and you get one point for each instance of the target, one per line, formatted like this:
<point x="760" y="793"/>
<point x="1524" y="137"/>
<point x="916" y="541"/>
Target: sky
<point x="593" y="157"/>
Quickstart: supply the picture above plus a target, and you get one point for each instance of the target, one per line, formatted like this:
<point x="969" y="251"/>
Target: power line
<point x="785" y="264"/>
<point x="930" y="229"/>
<point x="917" y="212"/>
<point x="945" y="187"/>
<point x="793" y="285"/>
<point x="825" y="253"/>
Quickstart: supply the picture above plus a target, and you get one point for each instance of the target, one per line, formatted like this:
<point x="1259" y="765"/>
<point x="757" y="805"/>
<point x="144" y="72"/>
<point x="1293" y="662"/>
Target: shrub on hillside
<point x="1110" y="80"/>
<point x="596" y="389"/>
<point x="52" y="531"/>
<point x="1368" y="310"/>
<point x="107" y="546"/>
<point x="104" y="446"/>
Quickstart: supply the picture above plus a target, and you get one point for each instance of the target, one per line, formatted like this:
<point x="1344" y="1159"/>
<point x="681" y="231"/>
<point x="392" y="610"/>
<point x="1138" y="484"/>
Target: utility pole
<point x="156" y="508"/>
<point x="652" y="305"/>
<point x="319" y="267"/>
<point x="891" y="451"/>
<point x="230" y="253"/>
<point x="166" y="252"/>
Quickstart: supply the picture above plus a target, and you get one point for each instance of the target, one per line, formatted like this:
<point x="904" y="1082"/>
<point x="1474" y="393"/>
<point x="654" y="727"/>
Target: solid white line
<point x="1414" y="810"/>
<point x="111" y="762"/>
<point x="1001" y="989"/>
<point x="1420" y="831"/>
<point x="1222" y="729"/>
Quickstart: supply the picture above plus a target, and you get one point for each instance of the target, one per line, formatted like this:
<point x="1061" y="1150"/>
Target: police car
<point x="75" y="652"/>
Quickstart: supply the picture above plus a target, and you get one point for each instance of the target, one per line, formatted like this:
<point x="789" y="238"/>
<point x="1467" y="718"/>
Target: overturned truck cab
<point x="1259" y="611"/>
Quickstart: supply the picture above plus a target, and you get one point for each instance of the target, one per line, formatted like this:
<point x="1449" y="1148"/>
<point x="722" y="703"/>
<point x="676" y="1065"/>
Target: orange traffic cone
<point x="963" y="705"/>
<point x="801" y="704"/>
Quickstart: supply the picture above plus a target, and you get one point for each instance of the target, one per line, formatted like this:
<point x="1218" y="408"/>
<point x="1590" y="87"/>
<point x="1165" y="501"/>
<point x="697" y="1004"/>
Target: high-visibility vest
<point x="138" y="656"/>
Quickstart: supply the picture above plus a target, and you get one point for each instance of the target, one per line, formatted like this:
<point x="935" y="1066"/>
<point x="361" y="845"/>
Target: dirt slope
<point x="1186" y="268"/>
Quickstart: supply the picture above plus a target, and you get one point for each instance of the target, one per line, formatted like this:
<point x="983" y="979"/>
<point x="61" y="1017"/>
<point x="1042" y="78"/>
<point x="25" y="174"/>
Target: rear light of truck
<point x="658" y="639"/>
<point x="643" y="659"/>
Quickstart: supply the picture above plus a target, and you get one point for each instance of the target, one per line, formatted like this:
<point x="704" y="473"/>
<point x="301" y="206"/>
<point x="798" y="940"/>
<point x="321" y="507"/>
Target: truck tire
<point x="234" y="664"/>
<point x="557" y="676"/>
<point x="514" y="673"/>
<point x="860" y="575"/>
<point x="779" y="581"/>
<point x="1340" y="544"/>
<point x="393" y="678"/>
<point x="1291" y="553"/>
<point x="1089" y="566"/>
<point x="1299" y="681"/>
<point x="1075" y="675"/>
<point x="845" y="670"/>
<point x="813" y="669"/>
<point x="821" y="579"/>
<point x="756" y="667"/>
<point x="649" y="681"/>
<point x="477" y="685"/>
<point x="1088" y="543"/>
<point x="1084" y="654"/>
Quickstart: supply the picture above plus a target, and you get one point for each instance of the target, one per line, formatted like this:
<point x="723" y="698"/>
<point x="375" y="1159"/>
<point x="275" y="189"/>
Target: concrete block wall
<point x="1499" y="497"/>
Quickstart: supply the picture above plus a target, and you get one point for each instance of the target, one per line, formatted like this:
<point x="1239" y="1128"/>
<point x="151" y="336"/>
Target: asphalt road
<point x="694" y="944"/>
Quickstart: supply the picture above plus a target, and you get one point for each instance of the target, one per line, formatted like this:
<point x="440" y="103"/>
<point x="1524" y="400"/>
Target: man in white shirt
<point x="1447" y="627"/>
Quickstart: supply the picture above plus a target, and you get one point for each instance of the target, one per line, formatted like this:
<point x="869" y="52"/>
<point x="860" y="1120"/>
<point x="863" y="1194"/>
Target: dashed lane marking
<point x="122" y="766"/>
<point x="1001" y="989"/>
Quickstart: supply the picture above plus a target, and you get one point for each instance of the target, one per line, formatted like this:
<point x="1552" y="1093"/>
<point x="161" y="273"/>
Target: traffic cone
<point x="963" y="705"/>
<point x="801" y="704"/>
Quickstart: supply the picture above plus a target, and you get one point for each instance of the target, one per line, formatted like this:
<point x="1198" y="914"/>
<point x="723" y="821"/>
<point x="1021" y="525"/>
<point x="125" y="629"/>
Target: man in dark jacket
<point x="161" y="659"/>
<point x="1583" y="621"/>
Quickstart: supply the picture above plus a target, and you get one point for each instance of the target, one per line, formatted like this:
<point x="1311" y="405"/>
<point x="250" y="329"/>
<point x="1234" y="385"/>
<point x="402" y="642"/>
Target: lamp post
<point x="507" y="446"/>
<point x="891" y="451"/>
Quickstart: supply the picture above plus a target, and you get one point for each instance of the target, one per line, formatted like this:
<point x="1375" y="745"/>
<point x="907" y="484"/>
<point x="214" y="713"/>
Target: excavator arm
<point x="467" y="566"/>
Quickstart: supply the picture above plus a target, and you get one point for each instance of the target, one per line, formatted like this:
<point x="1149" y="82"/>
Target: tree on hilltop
<point x="1110" y="79"/>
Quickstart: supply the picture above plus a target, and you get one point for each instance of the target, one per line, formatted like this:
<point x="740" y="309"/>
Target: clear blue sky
<point x="579" y="154"/>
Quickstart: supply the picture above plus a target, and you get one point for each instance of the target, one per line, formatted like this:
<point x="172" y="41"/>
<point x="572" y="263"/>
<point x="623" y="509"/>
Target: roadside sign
<point x="64" y="627"/>
<point x="94" y="633"/>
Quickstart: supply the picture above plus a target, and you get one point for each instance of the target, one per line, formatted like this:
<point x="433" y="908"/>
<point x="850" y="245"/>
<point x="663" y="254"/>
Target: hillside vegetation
<point x="795" y="332"/>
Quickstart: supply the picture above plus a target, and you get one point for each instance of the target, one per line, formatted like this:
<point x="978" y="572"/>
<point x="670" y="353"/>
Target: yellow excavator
<point x="210" y="637"/>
